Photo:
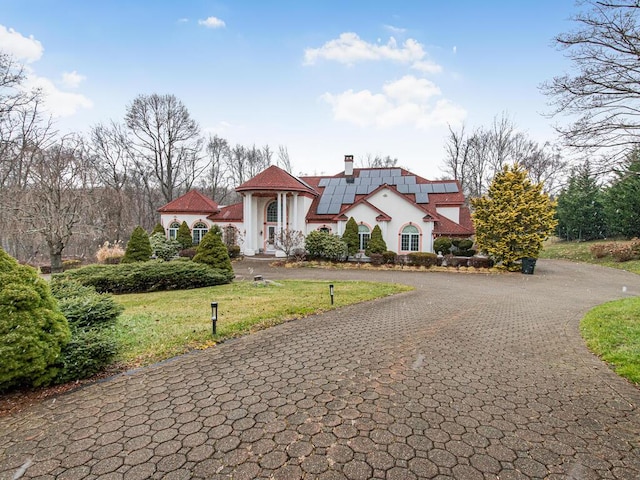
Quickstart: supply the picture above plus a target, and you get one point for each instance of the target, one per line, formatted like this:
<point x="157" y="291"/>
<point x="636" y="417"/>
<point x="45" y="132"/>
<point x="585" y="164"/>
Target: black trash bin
<point x="528" y="265"/>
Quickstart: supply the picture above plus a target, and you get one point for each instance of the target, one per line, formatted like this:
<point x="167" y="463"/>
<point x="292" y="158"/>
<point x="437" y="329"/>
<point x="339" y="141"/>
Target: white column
<point x="279" y="213"/>
<point x="295" y="212"/>
<point x="248" y="224"/>
<point x="285" y="217"/>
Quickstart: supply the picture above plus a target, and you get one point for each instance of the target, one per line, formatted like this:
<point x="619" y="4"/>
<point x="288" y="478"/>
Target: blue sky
<point x="324" y="78"/>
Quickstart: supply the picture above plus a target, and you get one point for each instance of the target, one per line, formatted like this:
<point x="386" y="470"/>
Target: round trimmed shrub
<point x="33" y="331"/>
<point x="442" y="245"/>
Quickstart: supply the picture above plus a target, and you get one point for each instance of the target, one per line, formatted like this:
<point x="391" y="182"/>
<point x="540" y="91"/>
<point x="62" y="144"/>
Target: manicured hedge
<point x="149" y="276"/>
<point x="422" y="259"/>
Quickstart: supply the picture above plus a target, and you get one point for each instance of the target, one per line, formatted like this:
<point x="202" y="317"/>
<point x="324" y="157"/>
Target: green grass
<point x="612" y="331"/>
<point x="156" y="326"/>
<point x="579" y="252"/>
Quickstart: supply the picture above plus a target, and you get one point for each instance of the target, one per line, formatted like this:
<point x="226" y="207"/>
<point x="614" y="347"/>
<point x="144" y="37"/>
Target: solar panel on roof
<point x="349" y="198"/>
<point x="362" y="189"/>
<point x="329" y="190"/>
<point x="340" y="189"/>
<point x="374" y="173"/>
<point x="334" y="208"/>
<point x="438" y="188"/>
<point x="413" y="188"/>
<point x="451" y="188"/>
<point x="398" y="180"/>
<point x="371" y="188"/>
<point x="395" y="172"/>
<point x="323" y="182"/>
<point x="364" y="173"/>
<point x="351" y="189"/>
<point x="322" y="209"/>
<point x="422" y="197"/>
<point x="425" y="188"/>
<point x="376" y="181"/>
<point x="409" y="180"/>
<point x="403" y="188"/>
<point x="334" y="181"/>
<point x="365" y="181"/>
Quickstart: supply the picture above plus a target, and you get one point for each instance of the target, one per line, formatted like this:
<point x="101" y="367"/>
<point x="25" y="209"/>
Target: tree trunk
<point x="55" y="256"/>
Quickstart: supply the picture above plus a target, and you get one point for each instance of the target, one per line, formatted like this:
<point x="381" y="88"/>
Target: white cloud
<point x="409" y="101"/>
<point x="426" y="66"/>
<point x="212" y="22"/>
<point x="57" y="102"/>
<point x="396" y="30"/>
<point x="455" y="49"/>
<point x="350" y="48"/>
<point x="183" y="20"/>
<point x="72" y="79"/>
<point x="25" y="49"/>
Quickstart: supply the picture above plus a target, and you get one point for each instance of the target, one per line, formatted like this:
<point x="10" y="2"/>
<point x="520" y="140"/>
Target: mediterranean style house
<point x="410" y="210"/>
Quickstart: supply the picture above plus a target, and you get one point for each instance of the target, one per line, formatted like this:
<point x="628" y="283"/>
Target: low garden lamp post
<point x="331" y="292"/>
<point x="214" y="316"/>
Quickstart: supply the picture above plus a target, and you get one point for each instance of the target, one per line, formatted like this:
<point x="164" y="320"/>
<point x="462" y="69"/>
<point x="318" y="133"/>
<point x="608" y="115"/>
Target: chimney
<point x="348" y="165"/>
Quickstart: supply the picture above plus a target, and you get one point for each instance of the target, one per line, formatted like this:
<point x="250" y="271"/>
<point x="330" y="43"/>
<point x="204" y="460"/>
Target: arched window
<point x="324" y="230"/>
<point x="272" y="212"/>
<point x="364" y="235"/>
<point x="173" y="230"/>
<point x="410" y="239"/>
<point x="199" y="230"/>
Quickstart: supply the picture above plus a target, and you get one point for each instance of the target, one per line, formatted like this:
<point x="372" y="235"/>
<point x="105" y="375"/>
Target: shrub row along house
<point x="410" y="210"/>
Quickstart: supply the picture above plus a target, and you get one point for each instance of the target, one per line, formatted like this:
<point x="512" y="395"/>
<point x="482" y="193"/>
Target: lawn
<point x="156" y="326"/>
<point x="612" y="331"/>
<point x="579" y="252"/>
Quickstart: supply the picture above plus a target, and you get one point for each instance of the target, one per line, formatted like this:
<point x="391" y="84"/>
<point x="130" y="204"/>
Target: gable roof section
<point x="230" y="213"/>
<point x="191" y="202"/>
<point x="276" y="179"/>
<point x="445" y="227"/>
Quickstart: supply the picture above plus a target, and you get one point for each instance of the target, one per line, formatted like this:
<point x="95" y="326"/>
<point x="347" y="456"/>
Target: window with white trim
<point x="173" y="230"/>
<point x="272" y="212"/>
<point x="199" y="230"/>
<point x="410" y="239"/>
<point x="364" y="235"/>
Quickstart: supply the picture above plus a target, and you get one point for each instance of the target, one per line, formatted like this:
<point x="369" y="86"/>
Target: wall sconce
<point x="214" y="316"/>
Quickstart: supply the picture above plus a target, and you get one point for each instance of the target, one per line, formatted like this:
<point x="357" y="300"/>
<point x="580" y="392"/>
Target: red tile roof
<point x="191" y="202"/>
<point x="230" y="213"/>
<point x="445" y="227"/>
<point x="275" y="178"/>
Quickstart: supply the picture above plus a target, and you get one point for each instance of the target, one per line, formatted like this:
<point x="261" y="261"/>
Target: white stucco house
<point x="410" y="210"/>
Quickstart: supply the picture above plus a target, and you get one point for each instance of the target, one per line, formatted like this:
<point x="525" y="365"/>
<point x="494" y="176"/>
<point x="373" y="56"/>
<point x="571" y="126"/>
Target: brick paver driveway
<point x="469" y="376"/>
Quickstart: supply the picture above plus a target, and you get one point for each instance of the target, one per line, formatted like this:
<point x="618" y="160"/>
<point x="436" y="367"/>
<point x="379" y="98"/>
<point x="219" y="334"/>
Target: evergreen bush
<point x="184" y="236"/>
<point x="82" y="306"/>
<point x="211" y="251"/>
<point x="376" y="243"/>
<point x="158" y="229"/>
<point x="87" y="353"/>
<point x="350" y="236"/>
<point x="325" y="246"/>
<point x="163" y="247"/>
<point x="233" y="250"/>
<point x="442" y="245"/>
<point x="422" y="259"/>
<point x="138" y="248"/>
<point x="33" y="331"/>
<point x="390" y="258"/>
<point x="148" y="277"/>
<point x="480" y="262"/>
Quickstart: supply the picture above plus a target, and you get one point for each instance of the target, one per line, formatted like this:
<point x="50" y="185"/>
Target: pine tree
<point x="213" y="252"/>
<point x="350" y="236"/>
<point x="138" y="248"/>
<point x="580" y="209"/>
<point x="513" y="218"/>
<point x="32" y="329"/>
<point x="622" y="205"/>
<point x="376" y="243"/>
<point x="184" y="236"/>
<point x="158" y="229"/>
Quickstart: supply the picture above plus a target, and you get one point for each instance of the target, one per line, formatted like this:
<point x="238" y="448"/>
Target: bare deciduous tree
<point x="284" y="160"/>
<point x="377" y="161"/>
<point x="166" y="142"/>
<point x="604" y="90"/>
<point x="58" y="195"/>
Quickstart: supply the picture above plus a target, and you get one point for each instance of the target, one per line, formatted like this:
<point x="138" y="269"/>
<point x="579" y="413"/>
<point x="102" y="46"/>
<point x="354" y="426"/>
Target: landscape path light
<point x="214" y="316"/>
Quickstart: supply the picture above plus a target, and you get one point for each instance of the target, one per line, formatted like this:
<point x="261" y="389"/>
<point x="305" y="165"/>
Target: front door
<point x="271" y="238"/>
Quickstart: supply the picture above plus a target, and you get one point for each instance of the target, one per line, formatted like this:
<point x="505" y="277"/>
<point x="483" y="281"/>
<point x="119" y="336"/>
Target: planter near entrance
<point x="528" y="265"/>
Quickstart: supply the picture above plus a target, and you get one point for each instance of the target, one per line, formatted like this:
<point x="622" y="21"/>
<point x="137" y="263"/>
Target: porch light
<point x="214" y="316"/>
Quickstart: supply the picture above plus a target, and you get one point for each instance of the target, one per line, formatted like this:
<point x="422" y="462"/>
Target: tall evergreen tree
<point x="350" y="236"/>
<point x="513" y="218"/>
<point x="376" y="243"/>
<point x="184" y="236"/>
<point x="139" y="247"/>
<point x="622" y="204"/>
<point x="158" y="229"/>
<point x="580" y="209"/>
